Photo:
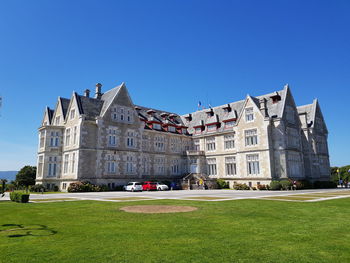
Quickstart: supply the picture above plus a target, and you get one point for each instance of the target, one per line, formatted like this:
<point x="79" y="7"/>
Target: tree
<point x="26" y="176"/>
<point x="3" y="187"/>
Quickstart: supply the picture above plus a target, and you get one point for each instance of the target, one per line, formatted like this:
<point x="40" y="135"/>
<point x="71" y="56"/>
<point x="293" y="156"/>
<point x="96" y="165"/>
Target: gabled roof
<point x="156" y="116"/>
<point x="64" y="104"/>
<point x="108" y="98"/>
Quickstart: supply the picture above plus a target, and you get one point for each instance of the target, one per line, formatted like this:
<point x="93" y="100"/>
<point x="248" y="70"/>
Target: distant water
<point x="9" y="175"/>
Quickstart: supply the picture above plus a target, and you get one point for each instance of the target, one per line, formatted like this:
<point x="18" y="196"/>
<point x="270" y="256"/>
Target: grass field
<point x="227" y="231"/>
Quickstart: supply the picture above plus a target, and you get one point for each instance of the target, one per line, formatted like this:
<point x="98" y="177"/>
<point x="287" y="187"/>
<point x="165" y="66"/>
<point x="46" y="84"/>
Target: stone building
<point x="109" y="140"/>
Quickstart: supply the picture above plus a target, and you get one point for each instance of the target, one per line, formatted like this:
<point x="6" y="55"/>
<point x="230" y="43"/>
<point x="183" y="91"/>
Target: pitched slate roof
<point x="65" y="104"/>
<point x="90" y="107"/>
<point x="156" y="116"/>
<point x="198" y="117"/>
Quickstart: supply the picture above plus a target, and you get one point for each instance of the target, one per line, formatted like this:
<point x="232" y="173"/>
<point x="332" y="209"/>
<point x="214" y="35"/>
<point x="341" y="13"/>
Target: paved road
<point x="182" y="194"/>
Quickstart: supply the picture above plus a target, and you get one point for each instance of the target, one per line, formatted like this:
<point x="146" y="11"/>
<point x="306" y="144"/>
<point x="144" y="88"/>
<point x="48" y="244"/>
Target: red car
<point x="147" y="186"/>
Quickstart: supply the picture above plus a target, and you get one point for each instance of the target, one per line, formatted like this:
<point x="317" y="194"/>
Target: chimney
<point x="263" y="107"/>
<point x="87" y="93"/>
<point x="98" y="93"/>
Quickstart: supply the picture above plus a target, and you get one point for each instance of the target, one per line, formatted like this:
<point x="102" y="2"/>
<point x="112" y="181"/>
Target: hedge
<point x="19" y="197"/>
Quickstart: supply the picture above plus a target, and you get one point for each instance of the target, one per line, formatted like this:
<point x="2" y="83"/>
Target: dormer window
<point x="210" y="113"/>
<point x="157" y="126"/>
<point x="171" y="129"/>
<point x="150" y="112"/>
<point x="275" y="98"/>
<point x="188" y="117"/>
<point x="212" y="127"/>
<point x="198" y="130"/>
<point x="229" y="124"/>
<point x="227" y="109"/>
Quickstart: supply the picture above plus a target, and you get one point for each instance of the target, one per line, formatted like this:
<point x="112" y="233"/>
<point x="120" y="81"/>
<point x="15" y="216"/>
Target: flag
<point x="199" y="104"/>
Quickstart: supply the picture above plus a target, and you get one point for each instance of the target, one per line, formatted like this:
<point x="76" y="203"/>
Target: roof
<point x="220" y="115"/>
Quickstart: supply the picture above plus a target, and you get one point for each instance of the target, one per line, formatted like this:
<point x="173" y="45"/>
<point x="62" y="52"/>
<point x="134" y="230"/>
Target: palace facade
<point x="106" y="139"/>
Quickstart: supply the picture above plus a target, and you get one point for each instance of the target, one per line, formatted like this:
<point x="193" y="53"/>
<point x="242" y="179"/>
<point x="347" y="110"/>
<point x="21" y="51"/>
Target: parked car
<point x="147" y="186"/>
<point x="162" y="187"/>
<point x="133" y="186"/>
<point x="175" y="186"/>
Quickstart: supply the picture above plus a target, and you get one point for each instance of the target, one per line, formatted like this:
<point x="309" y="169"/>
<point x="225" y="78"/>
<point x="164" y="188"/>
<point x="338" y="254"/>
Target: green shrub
<point x="222" y="184"/>
<point x="56" y="188"/>
<point x="19" y="197"/>
<point x="83" y="187"/>
<point x="275" y="185"/>
<point x="119" y="188"/>
<point x="304" y="184"/>
<point x="262" y="187"/>
<point x="241" y="187"/>
<point x="324" y="184"/>
<point x="286" y="184"/>
<point x="37" y="188"/>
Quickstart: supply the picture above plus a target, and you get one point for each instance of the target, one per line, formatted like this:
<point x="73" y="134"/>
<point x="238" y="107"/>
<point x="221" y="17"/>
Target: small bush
<point x="222" y="184"/>
<point x="19" y="197"/>
<point x="324" y="184"/>
<point x="253" y="188"/>
<point x="37" y="188"/>
<point x="275" y="185"/>
<point x="241" y="187"/>
<point x="303" y="184"/>
<point x="261" y="187"/>
<point x="56" y="188"/>
<point x="83" y="187"/>
<point x="286" y="184"/>
<point x="119" y="188"/>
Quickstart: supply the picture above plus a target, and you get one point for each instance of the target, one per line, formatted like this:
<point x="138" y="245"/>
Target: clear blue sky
<point x="171" y="54"/>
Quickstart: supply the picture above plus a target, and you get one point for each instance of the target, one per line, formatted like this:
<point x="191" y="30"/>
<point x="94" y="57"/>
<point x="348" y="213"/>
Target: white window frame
<point x="249" y="114"/>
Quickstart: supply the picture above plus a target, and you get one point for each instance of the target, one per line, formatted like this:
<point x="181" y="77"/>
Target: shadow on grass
<point x="21" y="230"/>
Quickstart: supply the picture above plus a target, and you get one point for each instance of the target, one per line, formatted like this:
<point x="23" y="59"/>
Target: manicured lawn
<point x="226" y="231"/>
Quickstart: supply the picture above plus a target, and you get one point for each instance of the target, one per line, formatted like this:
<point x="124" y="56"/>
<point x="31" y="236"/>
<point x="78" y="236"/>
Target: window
<point x="197" y="145"/>
<point x="198" y="130"/>
<point x="229" y="142"/>
<point x="65" y="164"/>
<point x="129" y="164"/>
<point x="249" y="114"/>
<point x="111" y="164"/>
<point x="175" y="166"/>
<point x="145" y="166"/>
<point x="212" y="128"/>
<point x="159" y="143"/>
<point x="57" y="120"/>
<point x="67" y="137"/>
<point x="114" y="114"/>
<point x="156" y="126"/>
<point x="112" y="137"/>
<point x="173" y="144"/>
<point x="121" y="114"/>
<point x="211" y="166"/>
<point x="54" y="139"/>
<point x="211" y="144"/>
<point x="64" y="186"/>
<point x="130" y="139"/>
<point x="251" y="137"/>
<point x="42" y="139"/>
<point x="159" y="165"/>
<point x="73" y="163"/>
<point x="293" y="138"/>
<point x="52" y="166"/>
<point x="184" y="130"/>
<point x="72" y="114"/>
<point x="129" y="116"/>
<point x="229" y="124"/>
<point x="75" y="135"/>
<point x="40" y="165"/>
<point x="253" y="164"/>
<point x="294" y="162"/>
<point x="230" y="163"/>
<point x="171" y="128"/>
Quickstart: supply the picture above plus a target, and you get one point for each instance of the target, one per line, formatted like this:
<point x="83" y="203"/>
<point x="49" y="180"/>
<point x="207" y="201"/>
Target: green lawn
<point x="226" y="231"/>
